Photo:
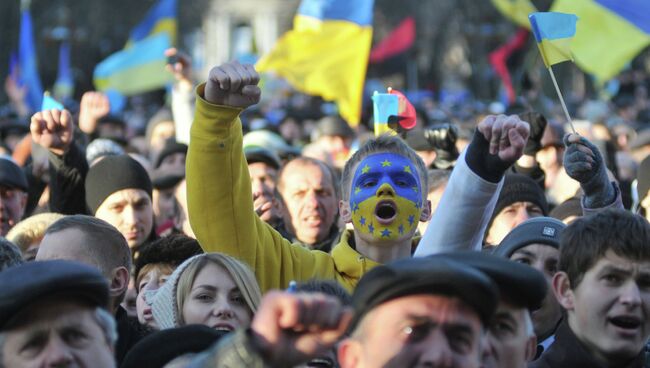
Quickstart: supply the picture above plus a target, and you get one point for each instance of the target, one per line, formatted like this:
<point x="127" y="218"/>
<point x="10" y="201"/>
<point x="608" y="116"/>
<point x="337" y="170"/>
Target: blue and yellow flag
<point x="140" y="67"/>
<point x="612" y="33"/>
<point x="64" y="84"/>
<point x="553" y="33"/>
<point x="516" y="10"/>
<point x="161" y="18"/>
<point x="326" y="53"/>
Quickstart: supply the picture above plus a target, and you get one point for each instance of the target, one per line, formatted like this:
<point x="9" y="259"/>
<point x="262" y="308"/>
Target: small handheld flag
<point x="50" y="103"/>
<point x="553" y="33"/>
<point x="393" y="112"/>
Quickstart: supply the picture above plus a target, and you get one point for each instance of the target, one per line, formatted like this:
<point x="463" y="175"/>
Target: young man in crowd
<point x="536" y="243"/>
<point x="603" y="283"/>
<point x="54" y="314"/>
<point x="116" y="189"/>
<point x="383" y="192"/>
<point x="92" y="241"/>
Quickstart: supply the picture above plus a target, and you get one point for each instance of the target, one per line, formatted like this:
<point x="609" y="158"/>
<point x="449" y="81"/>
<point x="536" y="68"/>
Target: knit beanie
<point x="164" y="303"/>
<point x="112" y="174"/>
<point x="519" y="188"/>
<point x="643" y="179"/>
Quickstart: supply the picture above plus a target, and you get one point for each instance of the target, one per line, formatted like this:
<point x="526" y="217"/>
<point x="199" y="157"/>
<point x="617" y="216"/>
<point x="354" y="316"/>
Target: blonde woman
<point x="210" y="289"/>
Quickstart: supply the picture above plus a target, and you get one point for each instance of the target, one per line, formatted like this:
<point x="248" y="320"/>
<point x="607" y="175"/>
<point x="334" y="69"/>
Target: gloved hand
<point x="537" y="124"/>
<point x="442" y="138"/>
<point x="584" y="163"/>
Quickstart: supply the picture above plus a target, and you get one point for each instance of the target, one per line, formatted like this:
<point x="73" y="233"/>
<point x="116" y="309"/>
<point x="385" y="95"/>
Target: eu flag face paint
<point x="386" y="196"/>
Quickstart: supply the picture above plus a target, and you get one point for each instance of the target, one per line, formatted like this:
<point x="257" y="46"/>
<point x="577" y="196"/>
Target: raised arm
<point x="473" y="189"/>
<point x="220" y="200"/>
<point x="54" y="130"/>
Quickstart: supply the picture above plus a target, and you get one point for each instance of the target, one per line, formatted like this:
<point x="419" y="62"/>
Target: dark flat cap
<point x="167" y="178"/>
<point x="260" y="154"/>
<point x="171" y="147"/>
<point x="160" y="348"/>
<point x="429" y="275"/>
<point x="518" y="283"/>
<point x="11" y="175"/>
<point x="32" y="281"/>
<point x="538" y="230"/>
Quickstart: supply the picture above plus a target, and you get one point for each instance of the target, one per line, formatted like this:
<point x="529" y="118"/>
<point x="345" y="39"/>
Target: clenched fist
<point x="507" y="136"/>
<point x="52" y="129"/>
<point x="233" y="84"/>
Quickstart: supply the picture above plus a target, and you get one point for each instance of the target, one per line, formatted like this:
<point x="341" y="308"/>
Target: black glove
<point x="442" y="138"/>
<point x="480" y="161"/>
<point x="537" y="124"/>
<point x="584" y="163"/>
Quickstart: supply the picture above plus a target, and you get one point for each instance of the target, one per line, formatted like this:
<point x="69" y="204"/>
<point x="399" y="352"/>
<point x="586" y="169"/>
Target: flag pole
<point x="559" y="94"/>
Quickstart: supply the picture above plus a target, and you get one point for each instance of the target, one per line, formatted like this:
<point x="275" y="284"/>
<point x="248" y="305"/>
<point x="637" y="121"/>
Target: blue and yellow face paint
<point x="386" y="196"/>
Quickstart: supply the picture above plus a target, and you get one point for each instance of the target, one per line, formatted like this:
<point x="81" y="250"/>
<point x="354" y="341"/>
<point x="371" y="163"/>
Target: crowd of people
<point x="217" y="238"/>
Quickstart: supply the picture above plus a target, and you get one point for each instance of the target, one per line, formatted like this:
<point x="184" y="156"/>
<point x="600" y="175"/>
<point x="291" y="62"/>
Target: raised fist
<point x="233" y="84"/>
<point x="52" y="129"/>
<point x="180" y="65"/>
<point x="507" y="136"/>
<point x="94" y="105"/>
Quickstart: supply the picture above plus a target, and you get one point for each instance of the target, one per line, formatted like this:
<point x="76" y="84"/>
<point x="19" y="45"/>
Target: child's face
<point x="386" y="197"/>
<point x="611" y="307"/>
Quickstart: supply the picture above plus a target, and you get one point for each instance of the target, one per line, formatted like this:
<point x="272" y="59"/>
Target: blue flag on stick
<point x="27" y="67"/>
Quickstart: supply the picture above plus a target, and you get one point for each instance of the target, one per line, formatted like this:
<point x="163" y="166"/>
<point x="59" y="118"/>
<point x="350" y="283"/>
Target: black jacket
<point x="67" y="182"/>
<point x="568" y="352"/>
<point x="129" y="332"/>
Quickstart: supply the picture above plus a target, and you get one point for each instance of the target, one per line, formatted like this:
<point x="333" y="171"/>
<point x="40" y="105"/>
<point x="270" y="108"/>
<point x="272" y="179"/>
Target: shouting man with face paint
<point x="383" y="192"/>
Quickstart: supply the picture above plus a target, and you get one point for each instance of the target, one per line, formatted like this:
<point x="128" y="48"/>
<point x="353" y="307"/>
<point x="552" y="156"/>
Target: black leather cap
<point x="538" y="230"/>
<point x="518" y="284"/>
<point x="260" y="154"/>
<point x="11" y="175"/>
<point x="33" y="281"/>
<point x="429" y="275"/>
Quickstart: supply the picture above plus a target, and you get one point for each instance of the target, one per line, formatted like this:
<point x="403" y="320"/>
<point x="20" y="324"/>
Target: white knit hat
<point x="164" y="302"/>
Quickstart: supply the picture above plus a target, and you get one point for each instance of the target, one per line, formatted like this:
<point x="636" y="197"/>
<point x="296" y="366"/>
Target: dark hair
<point x="329" y="287"/>
<point x="586" y="241"/>
<point x="172" y="250"/>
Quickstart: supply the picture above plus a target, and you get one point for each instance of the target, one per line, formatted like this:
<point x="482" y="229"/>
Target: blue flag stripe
<point x="552" y="26"/>
<point x="355" y="11"/>
<point x="165" y="9"/>
<point x="636" y="12"/>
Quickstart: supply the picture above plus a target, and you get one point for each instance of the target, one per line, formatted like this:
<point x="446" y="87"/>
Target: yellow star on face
<point x="365" y="169"/>
<point x="357" y="190"/>
<point x="407" y="169"/>
<point x="385" y="163"/>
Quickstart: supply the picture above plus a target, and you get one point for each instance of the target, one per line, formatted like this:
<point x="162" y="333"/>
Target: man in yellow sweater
<point x="383" y="192"/>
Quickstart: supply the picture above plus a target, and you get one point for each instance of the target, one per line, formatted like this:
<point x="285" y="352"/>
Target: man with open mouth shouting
<point x="383" y="193"/>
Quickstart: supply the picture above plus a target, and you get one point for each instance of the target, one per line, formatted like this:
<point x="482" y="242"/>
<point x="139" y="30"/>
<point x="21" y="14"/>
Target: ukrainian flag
<point x="326" y="53"/>
<point x="553" y="33"/>
<point x="612" y="33"/>
<point x="140" y="67"/>
<point x="516" y="10"/>
<point x="161" y="18"/>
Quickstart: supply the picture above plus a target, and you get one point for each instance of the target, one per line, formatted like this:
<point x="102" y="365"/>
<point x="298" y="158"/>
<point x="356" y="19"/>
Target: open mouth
<point x="223" y="327"/>
<point x="385" y="212"/>
<point x="626" y="322"/>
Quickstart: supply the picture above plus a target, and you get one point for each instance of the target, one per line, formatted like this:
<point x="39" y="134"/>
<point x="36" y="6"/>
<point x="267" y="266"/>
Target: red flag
<point x="398" y="41"/>
<point x="405" y="110"/>
<point x="499" y="57"/>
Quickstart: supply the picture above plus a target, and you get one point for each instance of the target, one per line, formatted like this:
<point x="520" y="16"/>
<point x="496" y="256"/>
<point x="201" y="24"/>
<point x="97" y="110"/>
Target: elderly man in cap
<point x="535" y="242"/>
<point x="117" y="189"/>
<point x="53" y="314"/>
<point x="13" y="194"/>
<point x="510" y="340"/>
